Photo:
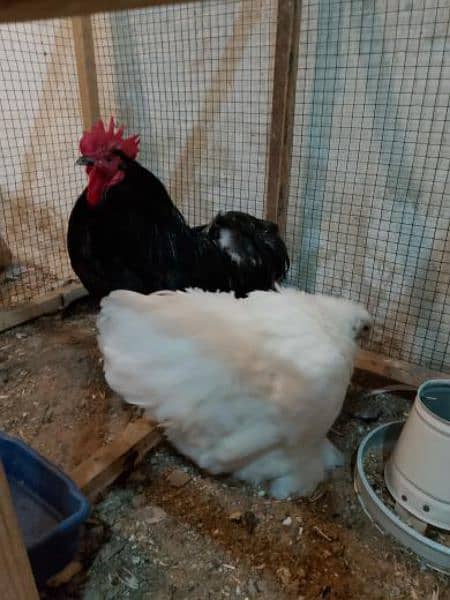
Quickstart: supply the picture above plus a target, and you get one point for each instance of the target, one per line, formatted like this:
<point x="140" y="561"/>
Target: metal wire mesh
<point x="195" y="81"/>
<point x="369" y="208"/>
<point x="40" y="121"/>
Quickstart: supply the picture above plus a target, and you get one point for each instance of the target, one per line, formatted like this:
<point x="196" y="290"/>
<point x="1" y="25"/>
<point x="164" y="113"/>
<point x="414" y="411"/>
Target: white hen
<point x="248" y="387"/>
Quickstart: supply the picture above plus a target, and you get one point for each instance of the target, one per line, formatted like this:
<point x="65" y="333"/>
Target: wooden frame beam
<point x="99" y="471"/>
<point x="126" y="451"/>
<point x="83" y="40"/>
<point x="395" y="370"/>
<point x="45" y="305"/>
<point x="16" y="577"/>
<point x="14" y="11"/>
<point x="283" y="104"/>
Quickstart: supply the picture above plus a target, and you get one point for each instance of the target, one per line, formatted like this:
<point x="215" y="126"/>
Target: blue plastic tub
<point x="49" y="506"/>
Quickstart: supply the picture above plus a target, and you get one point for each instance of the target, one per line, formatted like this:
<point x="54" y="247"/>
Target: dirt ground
<point x="172" y="532"/>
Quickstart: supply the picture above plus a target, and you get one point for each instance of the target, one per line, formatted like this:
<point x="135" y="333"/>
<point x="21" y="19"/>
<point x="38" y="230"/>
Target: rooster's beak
<point x="84" y="161"/>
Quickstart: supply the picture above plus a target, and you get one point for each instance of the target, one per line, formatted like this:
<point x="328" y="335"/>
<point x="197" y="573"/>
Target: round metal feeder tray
<point x="383" y="439"/>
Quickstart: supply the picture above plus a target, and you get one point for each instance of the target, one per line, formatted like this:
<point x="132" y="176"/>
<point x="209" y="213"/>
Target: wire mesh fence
<point x="195" y="81"/>
<point x="369" y="207"/>
<point x="40" y="123"/>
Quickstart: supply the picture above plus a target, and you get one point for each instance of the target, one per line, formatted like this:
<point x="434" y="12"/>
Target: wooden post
<point x="13" y="11"/>
<point x="283" y="104"/>
<point x="87" y="72"/>
<point x="16" y="577"/>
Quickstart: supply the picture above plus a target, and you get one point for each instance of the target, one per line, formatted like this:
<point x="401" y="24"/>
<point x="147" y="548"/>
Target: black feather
<point x="136" y="239"/>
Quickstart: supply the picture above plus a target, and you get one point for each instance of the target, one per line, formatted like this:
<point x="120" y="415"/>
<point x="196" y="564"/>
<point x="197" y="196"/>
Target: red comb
<point x="100" y="139"/>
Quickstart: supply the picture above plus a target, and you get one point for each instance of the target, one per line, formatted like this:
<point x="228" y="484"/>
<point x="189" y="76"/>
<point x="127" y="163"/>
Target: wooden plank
<point x="47" y="304"/>
<point x="86" y="68"/>
<point x="16" y="577"/>
<point x="395" y="370"/>
<point x="31" y="10"/>
<point x="100" y="470"/>
<point x="94" y="475"/>
<point x="283" y="104"/>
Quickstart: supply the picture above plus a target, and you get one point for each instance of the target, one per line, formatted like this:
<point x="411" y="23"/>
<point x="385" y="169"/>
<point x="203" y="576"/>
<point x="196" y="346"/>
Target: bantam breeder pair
<point x="247" y="387"/>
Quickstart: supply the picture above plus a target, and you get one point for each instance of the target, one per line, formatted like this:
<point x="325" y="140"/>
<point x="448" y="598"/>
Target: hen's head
<point x="100" y="150"/>
<point x="350" y="318"/>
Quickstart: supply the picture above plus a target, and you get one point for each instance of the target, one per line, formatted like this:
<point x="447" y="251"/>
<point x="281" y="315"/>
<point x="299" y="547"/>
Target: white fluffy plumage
<point x="248" y="387"/>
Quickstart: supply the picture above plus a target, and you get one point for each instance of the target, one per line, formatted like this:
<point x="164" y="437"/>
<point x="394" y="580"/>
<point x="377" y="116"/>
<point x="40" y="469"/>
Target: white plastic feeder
<point x="418" y="472"/>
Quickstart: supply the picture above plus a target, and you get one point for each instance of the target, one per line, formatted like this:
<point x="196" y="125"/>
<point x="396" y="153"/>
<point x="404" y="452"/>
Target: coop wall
<point x="194" y="80"/>
<point x="369" y="205"/>
<point x="369" y="208"/>
<point x="40" y="123"/>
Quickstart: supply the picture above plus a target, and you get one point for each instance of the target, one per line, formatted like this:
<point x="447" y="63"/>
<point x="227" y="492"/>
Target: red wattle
<point x="96" y="186"/>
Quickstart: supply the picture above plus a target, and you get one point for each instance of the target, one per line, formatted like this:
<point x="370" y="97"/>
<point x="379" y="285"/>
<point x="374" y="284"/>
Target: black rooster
<point x="126" y="233"/>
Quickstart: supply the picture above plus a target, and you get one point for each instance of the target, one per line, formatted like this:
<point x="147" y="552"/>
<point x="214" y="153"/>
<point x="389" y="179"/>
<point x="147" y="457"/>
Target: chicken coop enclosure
<point x="331" y="117"/>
